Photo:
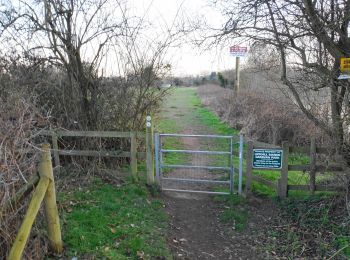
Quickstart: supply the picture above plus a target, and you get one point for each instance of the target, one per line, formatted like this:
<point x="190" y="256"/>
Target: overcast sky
<point x="187" y="59"/>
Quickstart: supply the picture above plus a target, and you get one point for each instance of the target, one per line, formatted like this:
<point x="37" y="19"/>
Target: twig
<point x="23" y="191"/>
<point x="336" y="253"/>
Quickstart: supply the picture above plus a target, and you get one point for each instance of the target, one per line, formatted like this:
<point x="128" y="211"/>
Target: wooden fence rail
<point x="282" y="186"/>
<point x="44" y="191"/>
<point x="133" y="154"/>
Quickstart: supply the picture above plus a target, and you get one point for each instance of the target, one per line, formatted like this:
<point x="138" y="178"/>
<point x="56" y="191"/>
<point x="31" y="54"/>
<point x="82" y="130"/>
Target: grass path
<point x="183" y="109"/>
<point x="205" y="227"/>
<point x="261" y="228"/>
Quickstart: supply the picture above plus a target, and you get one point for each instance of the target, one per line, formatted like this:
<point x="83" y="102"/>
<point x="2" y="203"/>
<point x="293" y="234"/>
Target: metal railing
<point x="161" y="165"/>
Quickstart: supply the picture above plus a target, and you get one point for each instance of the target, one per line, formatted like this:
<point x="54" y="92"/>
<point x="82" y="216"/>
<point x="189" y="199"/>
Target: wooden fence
<point x="44" y="191"/>
<point x="133" y="154"/>
<point x="282" y="187"/>
<point x="45" y="187"/>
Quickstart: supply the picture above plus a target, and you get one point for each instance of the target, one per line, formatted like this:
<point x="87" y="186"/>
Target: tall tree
<point x="310" y="37"/>
<point x="75" y="34"/>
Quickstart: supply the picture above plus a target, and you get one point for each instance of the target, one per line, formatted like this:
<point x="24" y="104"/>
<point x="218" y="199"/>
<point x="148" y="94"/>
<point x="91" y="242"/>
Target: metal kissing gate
<point x="203" y="164"/>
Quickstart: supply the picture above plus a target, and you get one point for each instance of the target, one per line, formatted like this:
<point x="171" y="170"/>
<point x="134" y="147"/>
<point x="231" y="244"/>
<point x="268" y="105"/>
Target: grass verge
<point x="312" y="227"/>
<point x="104" y="221"/>
<point x="309" y="226"/>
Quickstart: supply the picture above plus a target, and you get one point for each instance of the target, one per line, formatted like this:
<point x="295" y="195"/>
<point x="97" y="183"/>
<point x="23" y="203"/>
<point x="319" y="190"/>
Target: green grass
<point x="315" y="217"/>
<point x="210" y="119"/>
<point x="182" y="111"/>
<point x="183" y="108"/>
<point x="103" y="221"/>
<point x="304" y="213"/>
<point x="166" y="126"/>
<point x="235" y="212"/>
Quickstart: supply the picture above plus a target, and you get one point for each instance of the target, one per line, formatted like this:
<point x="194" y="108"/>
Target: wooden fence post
<point x="313" y="165"/>
<point x="133" y="156"/>
<point x="55" y="151"/>
<point x="45" y="190"/>
<point x="51" y="212"/>
<point x="282" y="184"/>
<point x="149" y="151"/>
<point x="249" y="168"/>
<point x="24" y="231"/>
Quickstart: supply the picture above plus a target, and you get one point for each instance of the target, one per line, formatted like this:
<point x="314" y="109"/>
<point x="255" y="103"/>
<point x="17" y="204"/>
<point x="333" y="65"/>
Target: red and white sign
<point x="238" y="51"/>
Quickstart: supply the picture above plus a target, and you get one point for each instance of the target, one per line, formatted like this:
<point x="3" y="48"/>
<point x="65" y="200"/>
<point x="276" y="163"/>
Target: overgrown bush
<point x="310" y="228"/>
<point x="20" y="122"/>
<point x="36" y="96"/>
<point x="259" y="115"/>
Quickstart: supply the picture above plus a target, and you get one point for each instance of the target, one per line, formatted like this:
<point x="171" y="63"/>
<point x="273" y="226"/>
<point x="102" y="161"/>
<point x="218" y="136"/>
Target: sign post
<point x="238" y="52"/>
<point x="237" y="74"/>
<point x="149" y="151"/>
<point x="268" y="159"/>
<point x="344" y="68"/>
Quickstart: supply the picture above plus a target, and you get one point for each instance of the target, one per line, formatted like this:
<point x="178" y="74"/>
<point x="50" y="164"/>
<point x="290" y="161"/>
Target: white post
<point x="149" y="151"/>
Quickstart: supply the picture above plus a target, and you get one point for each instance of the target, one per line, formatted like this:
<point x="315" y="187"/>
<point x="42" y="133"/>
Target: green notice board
<point x="267" y="158"/>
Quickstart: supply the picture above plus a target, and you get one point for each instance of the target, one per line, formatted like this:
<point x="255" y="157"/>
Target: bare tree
<point x="80" y="37"/>
<point x="75" y="35"/>
<point x="310" y="37"/>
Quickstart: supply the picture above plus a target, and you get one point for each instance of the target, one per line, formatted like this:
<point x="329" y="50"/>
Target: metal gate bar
<point x="198" y="191"/>
<point x="194" y="152"/>
<point x="195" y="167"/>
<point x="206" y="136"/>
<point x="160" y="165"/>
<point x="194" y="180"/>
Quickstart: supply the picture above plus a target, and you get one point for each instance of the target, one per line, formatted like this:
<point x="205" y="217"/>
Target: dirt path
<point x="195" y="230"/>
<point x="197" y="233"/>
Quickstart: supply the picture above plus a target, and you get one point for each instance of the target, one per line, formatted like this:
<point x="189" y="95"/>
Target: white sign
<point x="344" y="76"/>
<point x="148" y="118"/>
<point x="238" y="51"/>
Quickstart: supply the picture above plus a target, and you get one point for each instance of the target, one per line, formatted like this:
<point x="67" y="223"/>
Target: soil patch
<point x="196" y="231"/>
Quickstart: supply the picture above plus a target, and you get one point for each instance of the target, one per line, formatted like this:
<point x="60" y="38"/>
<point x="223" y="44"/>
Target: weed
<point x="310" y="227"/>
